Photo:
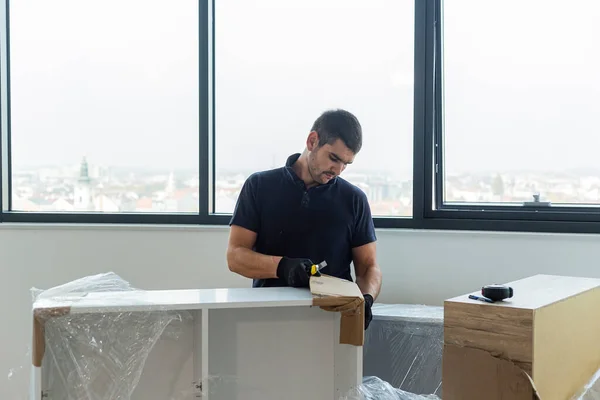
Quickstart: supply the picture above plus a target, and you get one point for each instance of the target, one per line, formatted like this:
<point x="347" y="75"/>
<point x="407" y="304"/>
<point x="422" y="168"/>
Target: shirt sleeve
<point x="364" y="228"/>
<point x="247" y="211"/>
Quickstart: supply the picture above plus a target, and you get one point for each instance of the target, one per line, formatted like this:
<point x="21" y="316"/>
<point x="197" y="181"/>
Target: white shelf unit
<point x="241" y="343"/>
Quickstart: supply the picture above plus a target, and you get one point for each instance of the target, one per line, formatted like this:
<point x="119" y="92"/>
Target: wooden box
<point x="544" y="341"/>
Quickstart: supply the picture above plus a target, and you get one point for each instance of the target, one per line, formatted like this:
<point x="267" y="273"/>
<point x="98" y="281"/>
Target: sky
<point x="522" y="84"/>
<point x="118" y="81"/>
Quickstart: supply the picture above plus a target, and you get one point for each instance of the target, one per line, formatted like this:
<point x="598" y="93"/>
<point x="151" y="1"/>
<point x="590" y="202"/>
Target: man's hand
<point x="368" y="313"/>
<point x="294" y="271"/>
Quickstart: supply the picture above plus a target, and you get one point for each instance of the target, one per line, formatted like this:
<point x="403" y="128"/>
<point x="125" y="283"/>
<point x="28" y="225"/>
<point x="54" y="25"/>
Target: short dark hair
<point x="339" y="124"/>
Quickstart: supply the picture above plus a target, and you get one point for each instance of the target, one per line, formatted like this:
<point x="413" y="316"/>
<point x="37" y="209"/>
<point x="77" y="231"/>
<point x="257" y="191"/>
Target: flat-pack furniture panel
<point x="287" y="352"/>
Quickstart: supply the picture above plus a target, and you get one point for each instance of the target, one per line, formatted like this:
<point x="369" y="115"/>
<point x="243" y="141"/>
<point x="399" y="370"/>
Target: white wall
<point x="418" y="267"/>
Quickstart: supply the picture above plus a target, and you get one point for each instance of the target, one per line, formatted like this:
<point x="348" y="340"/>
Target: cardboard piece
<point x="542" y="343"/>
<point x="340" y="295"/>
<point x="486" y="376"/>
<point x="40" y="316"/>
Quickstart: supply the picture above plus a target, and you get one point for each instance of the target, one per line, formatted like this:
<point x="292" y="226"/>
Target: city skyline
<point x="279" y="160"/>
<point x="90" y="187"/>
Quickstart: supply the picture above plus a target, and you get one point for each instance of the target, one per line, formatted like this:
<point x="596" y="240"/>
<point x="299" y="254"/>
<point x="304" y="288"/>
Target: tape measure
<point x="497" y="292"/>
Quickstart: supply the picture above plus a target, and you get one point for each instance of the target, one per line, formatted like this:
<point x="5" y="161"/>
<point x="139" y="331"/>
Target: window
<point x="476" y="115"/>
<point x="279" y="64"/>
<point x="104" y="100"/>
<point x="521" y="99"/>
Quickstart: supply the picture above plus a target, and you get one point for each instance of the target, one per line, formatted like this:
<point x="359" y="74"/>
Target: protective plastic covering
<point x="591" y="391"/>
<point x="374" y="388"/>
<point x="404" y="346"/>
<point x="92" y="358"/>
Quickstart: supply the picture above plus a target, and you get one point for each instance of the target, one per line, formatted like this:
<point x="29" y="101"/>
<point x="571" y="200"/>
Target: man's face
<point x="328" y="161"/>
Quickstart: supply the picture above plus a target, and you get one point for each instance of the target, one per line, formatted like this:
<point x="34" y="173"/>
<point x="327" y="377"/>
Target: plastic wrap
<point x="96" y="356"/>
<point x="404" y="346"/>
<point x="591" y="391"/>
<point x="373" y="388"/>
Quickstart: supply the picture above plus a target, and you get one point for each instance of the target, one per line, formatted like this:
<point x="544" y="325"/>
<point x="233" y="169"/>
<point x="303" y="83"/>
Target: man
<point x="289" y="218"/>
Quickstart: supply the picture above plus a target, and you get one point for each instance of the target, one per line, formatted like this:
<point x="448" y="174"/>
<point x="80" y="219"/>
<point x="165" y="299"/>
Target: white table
<point x="267" y="343"/>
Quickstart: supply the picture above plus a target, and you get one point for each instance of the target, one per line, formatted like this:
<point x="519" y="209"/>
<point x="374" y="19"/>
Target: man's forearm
<point x="251" y="264"/>
<point x="370" y="281"/>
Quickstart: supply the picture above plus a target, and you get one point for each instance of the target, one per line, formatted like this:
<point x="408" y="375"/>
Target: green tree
<point x="498" y="186"/>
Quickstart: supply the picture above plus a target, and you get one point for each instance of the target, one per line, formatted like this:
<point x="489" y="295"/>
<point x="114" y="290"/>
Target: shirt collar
<point x="291" y="160"/>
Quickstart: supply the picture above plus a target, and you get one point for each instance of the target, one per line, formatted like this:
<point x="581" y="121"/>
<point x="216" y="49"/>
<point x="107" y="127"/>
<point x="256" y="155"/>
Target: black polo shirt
<point x="322" y="223"/>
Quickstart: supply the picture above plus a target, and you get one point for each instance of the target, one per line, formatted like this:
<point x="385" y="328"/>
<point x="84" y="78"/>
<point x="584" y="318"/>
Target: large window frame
<point x="429" y="209"/>
<point x="529" y="216"/>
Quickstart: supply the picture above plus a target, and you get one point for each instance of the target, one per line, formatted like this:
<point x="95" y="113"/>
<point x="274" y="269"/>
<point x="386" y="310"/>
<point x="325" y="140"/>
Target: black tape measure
<point x="497" y="292"/>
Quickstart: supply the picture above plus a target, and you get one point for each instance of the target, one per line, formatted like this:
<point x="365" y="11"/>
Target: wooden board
<point x="326" y="286"/>
<point x="504" y="332"/>
<point x="566" y="344"/>
<point x="482" y="376"/>
<point x="538" y="291"/>
<point x="549" y="330"/>
<point x="335" y="294"/>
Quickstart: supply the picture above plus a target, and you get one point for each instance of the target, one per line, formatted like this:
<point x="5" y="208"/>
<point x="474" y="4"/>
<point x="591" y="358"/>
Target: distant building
<point x="83" y="199"/>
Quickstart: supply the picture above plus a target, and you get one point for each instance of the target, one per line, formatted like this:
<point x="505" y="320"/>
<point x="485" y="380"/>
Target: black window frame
<point x="529" y="216"/>
<point x="429" y="209"/>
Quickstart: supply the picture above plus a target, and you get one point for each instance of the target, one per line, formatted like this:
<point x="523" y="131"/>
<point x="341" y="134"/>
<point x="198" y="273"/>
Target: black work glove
<point x="294" y="272"/>
<point x="368" y="313"/>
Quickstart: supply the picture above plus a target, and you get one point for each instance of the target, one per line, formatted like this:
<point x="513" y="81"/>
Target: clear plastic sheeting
<point x="107" y="282"/>
<point x="403" y="348"/>
<point x="96" y="356"/>
<point x="591" y="391"/>
<point x="373" y="388"/>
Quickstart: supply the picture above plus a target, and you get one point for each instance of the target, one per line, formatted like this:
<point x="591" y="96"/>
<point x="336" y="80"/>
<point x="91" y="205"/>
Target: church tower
<point x="83" y="189"/>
